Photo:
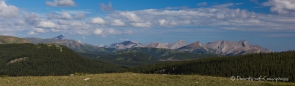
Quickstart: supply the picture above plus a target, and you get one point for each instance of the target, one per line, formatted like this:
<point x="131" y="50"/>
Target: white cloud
<point x="118" y="22"/>
<point x="223" y="5"/>
<point x="78" y="24"/>
<point x="104" y="7"/>
<point x="60" y="3"/>
<point x="32" y="19"/>
<point x="98" y="31"/>
<point x="202" y="4"/>
<point x="36" y="31"/>
<point x="97" y="20"/>
<point x="131" y="16"/>
<point x="40" y="30"/>
<point x="73" y="11"/>
<point x="63" y="22"/>
<point x="8" y="11"/>
<point x="128" y="32"/>
<point x="80" y="16"/>
<point x="144" y="25"/>
<point x="19" y="23"/>
<point x="46" y="24"/>
<point x="163" y="22"/>
<point x="32" y="33"/>
<point x="281" y="6"/>
<point x="65" y="15"/>
<point x="52" y="15"/>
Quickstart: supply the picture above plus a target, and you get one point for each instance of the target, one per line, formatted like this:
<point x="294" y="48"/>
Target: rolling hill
<point x="47" y="59"/>
<point x="11" y="39"/>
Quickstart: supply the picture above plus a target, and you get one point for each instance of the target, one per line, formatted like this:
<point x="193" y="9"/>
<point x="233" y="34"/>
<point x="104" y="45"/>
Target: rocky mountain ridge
<point x="222" y="47"/>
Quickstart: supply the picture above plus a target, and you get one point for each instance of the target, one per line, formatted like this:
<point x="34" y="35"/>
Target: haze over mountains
<point x="222" y="47"/>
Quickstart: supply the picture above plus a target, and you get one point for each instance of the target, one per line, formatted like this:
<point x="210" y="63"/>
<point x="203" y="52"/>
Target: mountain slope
<point x="125" y="45"/>
<point x="11" y="39"/>
<point x="195" y="47"/>
<point x="47" y="59"/>
<point x="77" y="46"/>
<point x="234" y="48"/>
<point x="177" y="44"/>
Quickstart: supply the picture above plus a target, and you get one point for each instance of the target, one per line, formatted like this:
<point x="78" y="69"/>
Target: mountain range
<point x="222" y="47"/>
<point x="133" y="53"/>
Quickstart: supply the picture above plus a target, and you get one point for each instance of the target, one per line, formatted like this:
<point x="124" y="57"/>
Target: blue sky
<point x="268" y="23"/>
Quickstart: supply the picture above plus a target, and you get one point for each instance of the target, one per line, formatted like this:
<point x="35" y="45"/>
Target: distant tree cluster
<point x="272" y="65"/>
<point x="47" y="59"/>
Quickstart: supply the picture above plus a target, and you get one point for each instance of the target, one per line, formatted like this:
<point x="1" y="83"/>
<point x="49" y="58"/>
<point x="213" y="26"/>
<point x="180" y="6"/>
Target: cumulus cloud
<point x="32" y="19"/>
<point x="32" y="33"/>
<point x="97" y="20"/>
<point x="224" y="18"/>
<point x="281" y="6"/>
<point x="36" y="31"/>
<point x="52" y="15"/>
<point x="118" y="22"/>
<point x="104" y="7"/>
<point x="19" y="22"/>
<point x="78" y="24"/>
<point x="46" y="24"/>
<point x="128" y="32"/>
<point x="80" y="16"/>
<point x="200" y="16"/>
<point x="8" y="11"/>
<point x="40" y="30"/>
<point x="97" y="31"/>
<point x="65" y="15"/>
<point x="63" y="22"/>
<point x="61" y="3"/>
<point x="131" y="16"/>
<point x="144" y="25"/>
<point x="164" y="22"/>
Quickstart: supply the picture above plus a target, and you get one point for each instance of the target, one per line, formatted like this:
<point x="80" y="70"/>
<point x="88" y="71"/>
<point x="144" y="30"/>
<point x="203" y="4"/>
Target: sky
<point x="268" y="23"/>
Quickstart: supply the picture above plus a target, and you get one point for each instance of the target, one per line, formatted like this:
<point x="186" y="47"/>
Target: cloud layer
<point x="60" y="3"/>
<point x="215" y="18"/>
<point x="8" y="11"/>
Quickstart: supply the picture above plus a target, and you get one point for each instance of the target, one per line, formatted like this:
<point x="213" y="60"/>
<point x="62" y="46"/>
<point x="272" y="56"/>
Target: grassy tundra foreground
<point x="133" y="79"/>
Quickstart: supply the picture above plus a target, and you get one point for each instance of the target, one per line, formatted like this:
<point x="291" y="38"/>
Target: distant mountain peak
<point x="194" y="45"/>
<point x="60" y="37"/>
<point x="177" y="44"/>
<point x="158" y="45"/>
<point x="129" y="42"/>
<point x="125" y="44"/>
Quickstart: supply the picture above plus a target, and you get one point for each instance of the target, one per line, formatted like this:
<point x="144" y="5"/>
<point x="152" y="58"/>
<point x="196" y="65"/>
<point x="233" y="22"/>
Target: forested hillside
<point x="271" y="65"/>
<point x="142" y="56"/>
<point x="47" y="59"/>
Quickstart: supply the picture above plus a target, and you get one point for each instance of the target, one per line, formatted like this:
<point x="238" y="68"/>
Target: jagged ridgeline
<point x="47" y="59"/>
<point x="271" y="65"/>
